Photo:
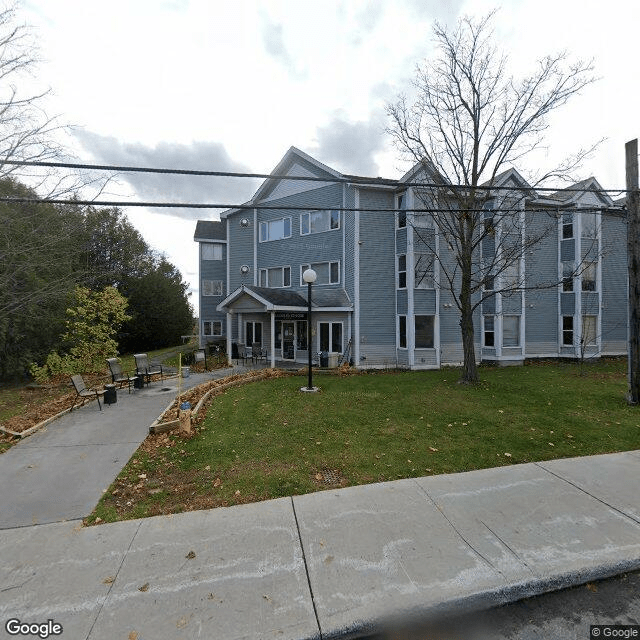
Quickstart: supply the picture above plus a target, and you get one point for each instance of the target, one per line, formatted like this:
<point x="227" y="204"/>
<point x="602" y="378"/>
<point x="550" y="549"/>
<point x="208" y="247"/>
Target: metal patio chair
<point x="146" y="369"/>
<point x="83" y="392"/>
<point x="118" y="376"/>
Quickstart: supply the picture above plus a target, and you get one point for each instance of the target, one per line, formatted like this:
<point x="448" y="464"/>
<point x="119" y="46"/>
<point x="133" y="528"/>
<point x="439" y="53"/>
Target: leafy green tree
<point x="91" y="327"/>
<point x="159" y="306"/>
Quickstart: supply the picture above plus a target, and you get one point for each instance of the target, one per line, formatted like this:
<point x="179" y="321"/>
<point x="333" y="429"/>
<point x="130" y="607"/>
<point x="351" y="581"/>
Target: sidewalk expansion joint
<point x="591" y="495"/>
<point x="444" y="515"/>
<point x="306" y="568"/>
<point x="124" y="557"/>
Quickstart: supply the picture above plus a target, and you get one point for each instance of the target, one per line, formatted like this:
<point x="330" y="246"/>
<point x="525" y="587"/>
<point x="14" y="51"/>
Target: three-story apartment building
<point x="380" y="293"/>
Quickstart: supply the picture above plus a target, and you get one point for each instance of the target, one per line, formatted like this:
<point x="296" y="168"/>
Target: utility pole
<point x="633" y="263"/>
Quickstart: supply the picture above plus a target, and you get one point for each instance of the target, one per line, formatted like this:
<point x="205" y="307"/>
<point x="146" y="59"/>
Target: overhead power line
<point x="615" y="212"/>
<point x="348" y="179"/>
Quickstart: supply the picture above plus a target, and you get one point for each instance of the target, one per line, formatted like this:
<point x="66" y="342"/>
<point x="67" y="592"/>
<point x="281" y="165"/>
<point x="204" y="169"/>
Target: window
<point x="423" y="270"/>
<point x="402" y="332"/>
<point x="424" y="331"/>
<point x="212" y="287"/>
<point x="589" y="276"/>
<point x="327" y="272"/>
<point x="488" y="282"/>
<point x="402" y="214"/>
<point x="302" y="335"/>
<point x="319" y="221"/>
<point x="253" y="333"/>
<point x="511" y="331"/>
<point x="511" y="275"/>
<point x="589" y="326"/>
<point x="275" y="229"/>
<point x="422" y="220"/>
<point x="567" y="276"/>
<point x="567" y="331"/>
<point x="567" y="226"/>
<point x="211" y="251"/>
<point x="212" y="328"/>
<point x="589" y="225"/>
<point x="275" y="277"/>
<point x="402" y="272"/>
<point x="489" y="228"/>
<point x="331" y="337"/>
<point x="489" y="332"/>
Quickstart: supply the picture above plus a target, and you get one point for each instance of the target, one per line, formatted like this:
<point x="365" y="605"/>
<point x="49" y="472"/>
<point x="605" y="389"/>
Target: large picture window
<point x="589" y="327"/>
<point x="212" y="287"/>
<point x="327" y="272"/>
<point x="589" y="276"/>
<point x="319" y="221"/>
<point x="331" y="337"/>
<point x="275" y="229"/>
<point x="423" y="270"/>
<point x="511" y="331"/>
<point x="211" y="251"/>
<point x="424" y="331"/>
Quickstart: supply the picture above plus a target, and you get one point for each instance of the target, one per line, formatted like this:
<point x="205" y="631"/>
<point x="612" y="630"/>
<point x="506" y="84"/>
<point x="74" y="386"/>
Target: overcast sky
<point x="219" y="85"/>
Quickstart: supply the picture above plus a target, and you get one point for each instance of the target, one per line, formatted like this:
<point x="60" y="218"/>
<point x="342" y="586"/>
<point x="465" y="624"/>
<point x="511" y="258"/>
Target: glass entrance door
<point x="288" y="340"/>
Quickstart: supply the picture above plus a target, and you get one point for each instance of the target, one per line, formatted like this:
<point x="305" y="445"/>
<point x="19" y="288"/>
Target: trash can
<point x="110" y="394"/>
<point x="186" y="372"/>
<point x="138" y="382"/>
<point x="324" y="359"/>
<point x="333" y="360"/>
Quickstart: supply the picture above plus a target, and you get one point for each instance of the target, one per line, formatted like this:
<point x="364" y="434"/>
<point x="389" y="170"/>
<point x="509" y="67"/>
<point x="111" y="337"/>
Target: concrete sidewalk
<point x="331" y="563"/>
<point x="60" y="472"/>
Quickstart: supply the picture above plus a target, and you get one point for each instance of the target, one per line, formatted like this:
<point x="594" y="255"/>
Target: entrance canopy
<point x="286" y="307"/>
<point x="264" y="299"/>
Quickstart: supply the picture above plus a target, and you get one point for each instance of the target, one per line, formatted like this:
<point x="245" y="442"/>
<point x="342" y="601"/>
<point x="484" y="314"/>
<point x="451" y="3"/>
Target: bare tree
<point x="470" y="122"/>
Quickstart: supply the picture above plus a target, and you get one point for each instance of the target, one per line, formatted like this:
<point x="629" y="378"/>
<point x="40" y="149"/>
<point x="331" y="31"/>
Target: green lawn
<point x="266" y="439"/>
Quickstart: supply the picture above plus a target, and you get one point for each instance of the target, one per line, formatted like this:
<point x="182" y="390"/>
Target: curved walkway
<point x="60" y="472"/>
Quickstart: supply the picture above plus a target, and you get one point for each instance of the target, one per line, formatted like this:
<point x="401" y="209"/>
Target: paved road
<point x="561" y="615"/>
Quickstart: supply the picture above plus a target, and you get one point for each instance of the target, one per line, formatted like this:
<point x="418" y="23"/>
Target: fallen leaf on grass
<point x="432" y="449"/>
<point x="319" y="476"/>
<point x="508" y="455"/>
<point x="217" y="482"/>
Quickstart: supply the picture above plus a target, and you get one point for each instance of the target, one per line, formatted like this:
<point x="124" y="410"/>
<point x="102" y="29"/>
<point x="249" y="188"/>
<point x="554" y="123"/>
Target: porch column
<point x="273" y="339"/>
<point x="240" y="334"/>
<point x="229" y="340"/>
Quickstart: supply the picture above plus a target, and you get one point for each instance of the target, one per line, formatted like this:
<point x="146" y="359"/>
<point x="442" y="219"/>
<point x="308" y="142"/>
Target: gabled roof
<point x="287" y="300"/>
<point x="574" y="193"/>
<point x="210" y="230"/>
<point x="287" y="161"/>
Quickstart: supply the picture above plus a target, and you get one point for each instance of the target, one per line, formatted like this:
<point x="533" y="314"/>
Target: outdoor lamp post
<point x="309" y="276"/>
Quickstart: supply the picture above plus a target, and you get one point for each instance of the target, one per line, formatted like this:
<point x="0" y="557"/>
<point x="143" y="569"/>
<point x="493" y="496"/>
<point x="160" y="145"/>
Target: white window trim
<point x="406" y="332"/>
<point x="304" y="267"/>
<point x="212" y="323"/>
<point x="267" y="222"/>
<point x="212" y="295"/>
<point x="328" y="211"/>
<point x="266" y="278"/>
<point x="215" y="245"/>
<point x="519" y="332"/>
<point x="331" y="323"/>
<point x="399" y="271"/>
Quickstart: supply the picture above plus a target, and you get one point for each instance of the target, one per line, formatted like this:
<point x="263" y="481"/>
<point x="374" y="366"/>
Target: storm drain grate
<point x="330" y="476"/>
